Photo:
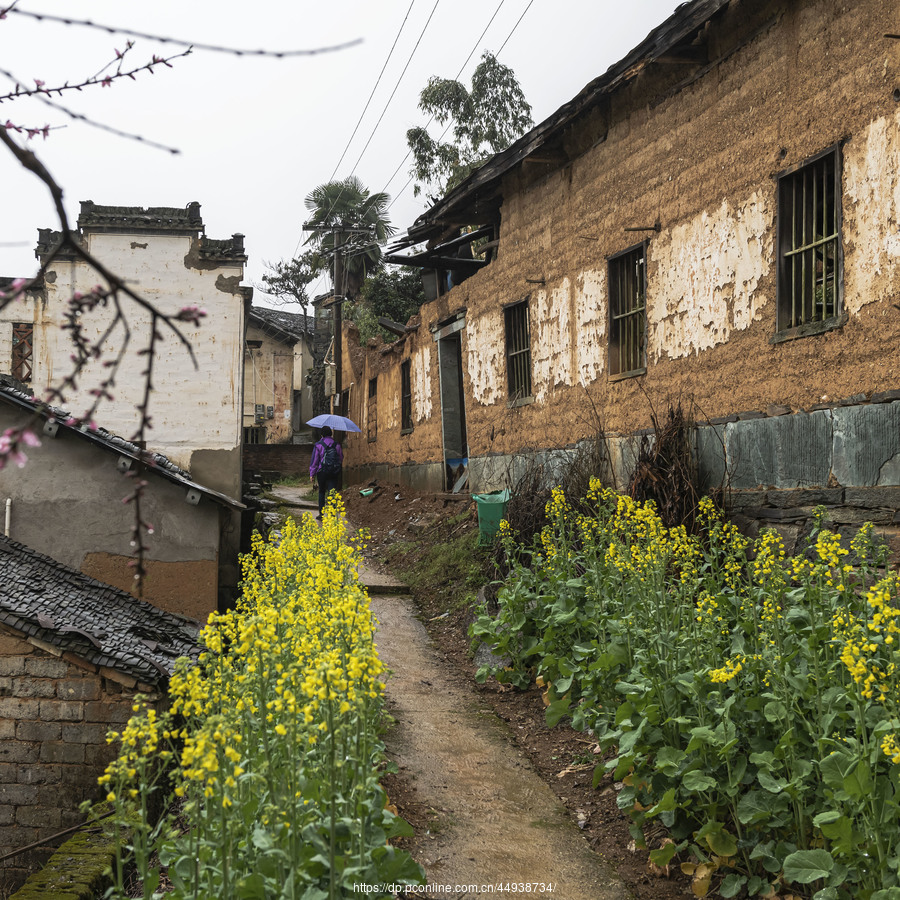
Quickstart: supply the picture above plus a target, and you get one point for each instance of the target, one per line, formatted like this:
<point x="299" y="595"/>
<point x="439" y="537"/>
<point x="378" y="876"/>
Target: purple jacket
<point x="318" y="453"/>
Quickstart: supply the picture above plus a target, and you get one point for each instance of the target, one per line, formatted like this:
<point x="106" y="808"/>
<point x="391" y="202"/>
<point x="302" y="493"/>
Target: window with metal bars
<point x="406" y="419"/>
<point x="628" y="312"/>
<point x="254" y="434"/>
<point x="22" y="350"/>
<point x="809" y="243"/>
<point x="518" y="350"/>
<point x="372" y="410"/>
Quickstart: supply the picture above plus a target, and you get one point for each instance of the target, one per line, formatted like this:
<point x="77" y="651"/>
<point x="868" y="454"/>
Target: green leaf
<point x="395" y="826"/>
<point x="775" y="712"/>
<point x="722" y="843"/>
<point x="826" y="818"/>
<point x="891" y="893"/>
<point x="858" y="782"/>
<point x="698" y="781"/>
<point x="807" y="866"/>
<point x="834" y="767"/>
<point x="251" y="887"/>
<point x="666" y="804"/>
<point x="774" y="784"/>
<point x="754" y="806"/>
<point x="556" y="710"/>
<point x="732" y="885"/>
<point x="663" y="855"/>
<point x="701" y="735"/>
<point x="669" y="759"/>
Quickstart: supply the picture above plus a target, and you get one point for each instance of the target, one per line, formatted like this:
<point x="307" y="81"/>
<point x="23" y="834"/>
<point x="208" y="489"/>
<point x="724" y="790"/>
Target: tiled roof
<point x="46" y="600"/>
<point x="155" y="218"/>
<point x="156" y="462"/>
<point x="293" y="325"/>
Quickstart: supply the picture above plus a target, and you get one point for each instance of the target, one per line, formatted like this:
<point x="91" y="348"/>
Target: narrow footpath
<point x="499" y="830"/>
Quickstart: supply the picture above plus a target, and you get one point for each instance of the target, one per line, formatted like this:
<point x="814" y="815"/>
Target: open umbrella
<point x="335" y="423"/>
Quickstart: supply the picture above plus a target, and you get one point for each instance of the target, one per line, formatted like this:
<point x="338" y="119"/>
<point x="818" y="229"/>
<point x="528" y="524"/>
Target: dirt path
<point x="498" y="823"/>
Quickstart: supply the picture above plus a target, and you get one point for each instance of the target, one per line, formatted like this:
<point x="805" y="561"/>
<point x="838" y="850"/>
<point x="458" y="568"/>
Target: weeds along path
<point x="498" y="824"/>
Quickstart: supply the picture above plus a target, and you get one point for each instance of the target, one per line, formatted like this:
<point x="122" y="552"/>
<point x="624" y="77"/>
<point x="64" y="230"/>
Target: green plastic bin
<point x="491" y="511"/>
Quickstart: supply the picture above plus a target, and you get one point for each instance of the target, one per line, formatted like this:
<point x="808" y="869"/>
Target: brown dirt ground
<point x="564" y="758"/>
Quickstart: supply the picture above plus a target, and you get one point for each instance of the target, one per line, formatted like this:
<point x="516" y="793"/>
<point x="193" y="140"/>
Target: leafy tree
<point x="395" y="292"/>
<point x="486" y="120"/>
<point x="287" y="280"/>
<point x="345" y="211"/>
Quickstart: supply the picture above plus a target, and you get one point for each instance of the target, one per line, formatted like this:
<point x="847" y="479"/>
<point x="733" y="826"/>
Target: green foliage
<point x="751" y="701"/>
<point x="348" y="205"/>
<point x="486" y="119"/>
<point x="392" y="292"/>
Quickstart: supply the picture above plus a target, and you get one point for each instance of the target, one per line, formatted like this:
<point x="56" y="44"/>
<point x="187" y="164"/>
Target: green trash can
<point x="491" y="510"/>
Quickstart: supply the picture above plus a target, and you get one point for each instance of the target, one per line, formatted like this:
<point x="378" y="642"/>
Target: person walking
<point x="325" y="466"/>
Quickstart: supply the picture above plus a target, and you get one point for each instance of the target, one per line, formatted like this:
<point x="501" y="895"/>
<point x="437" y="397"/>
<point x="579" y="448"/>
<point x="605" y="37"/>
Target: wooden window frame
<point x="517" y="324"/>
<point x="22" y="361"/>
<point x="627" y="278"/>
<point x="406" y="419"/>
<point x="810" y="273"/>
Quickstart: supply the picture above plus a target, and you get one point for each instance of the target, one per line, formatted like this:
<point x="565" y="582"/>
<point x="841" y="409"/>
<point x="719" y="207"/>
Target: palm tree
<point x="345" y="211"/>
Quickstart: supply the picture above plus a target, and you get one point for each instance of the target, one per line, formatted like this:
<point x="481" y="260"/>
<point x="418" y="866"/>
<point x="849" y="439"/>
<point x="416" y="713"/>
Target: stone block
<point x="41" y="667"/>
<point x="113" y="712"/>
<point x="62" y="710"/>
<point x="76" y="660"/>
<point x="38" y="731"/>
<point x="18" y="752"/>
<point x="38" y="817"/>
<point x="84" y="734"/>
<point x="34" y="687"/>
<point x="12" y="665"/>
<point x="769" y="514"/>
<point x="7" y="729"/>
<point x="19" y="708"/>
<point x="118" y="677"/>
<point x="776" y="410"/>
<point x="6" y="686"/>
<point x="873" y="496"/>
<point x="18" y="794"/>
<point x="711" y="462"/>
<point x="99" y="755"/>
<point x="61" y="752"/>
<point x="12" y="645"/>
<point x="7" y="814"/>
<point x="853" y="515"/>
<point x="78" y="689"/>
<point x="790" y="535"/>
<point x="805" y="497"/>
<point x="40" y="775"/>
<point x="853" y="400"/>
<point x="867" y="445"/>
<point x="750" y="414"/>
<point x="885" y="396"/>
<point x="745" y="499"/>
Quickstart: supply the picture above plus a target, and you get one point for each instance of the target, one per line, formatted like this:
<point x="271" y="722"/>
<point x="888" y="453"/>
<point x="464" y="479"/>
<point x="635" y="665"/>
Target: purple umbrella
<point x="335" y="423"/>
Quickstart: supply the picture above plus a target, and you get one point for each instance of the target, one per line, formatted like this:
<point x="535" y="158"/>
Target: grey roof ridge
<point x="154" y="462"/>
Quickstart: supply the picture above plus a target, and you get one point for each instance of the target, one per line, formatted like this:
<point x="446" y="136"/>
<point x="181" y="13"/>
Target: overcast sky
<point x="257" y="135"/>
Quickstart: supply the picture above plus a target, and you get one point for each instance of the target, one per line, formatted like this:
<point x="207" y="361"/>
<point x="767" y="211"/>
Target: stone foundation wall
<point x="285" y="459"/>
<point x="55" y="712"/>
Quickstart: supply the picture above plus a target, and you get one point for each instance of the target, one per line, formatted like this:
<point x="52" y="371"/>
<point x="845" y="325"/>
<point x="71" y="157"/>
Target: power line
<point x="378" y="81"/>
<point x="405" y="158"/>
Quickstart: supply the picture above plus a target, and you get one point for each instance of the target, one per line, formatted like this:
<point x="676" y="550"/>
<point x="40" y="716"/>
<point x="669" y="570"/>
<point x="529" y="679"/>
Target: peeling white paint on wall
<point x="705" y="276"/>
<point x="421" y="387"/>
<point x="484" y="352"/>
<point x="551" y="339"/>
<point x="871" y="211"/>
<point x="591" y="307"/>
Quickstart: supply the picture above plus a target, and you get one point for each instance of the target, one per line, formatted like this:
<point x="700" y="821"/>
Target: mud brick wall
<point x="55" y="712"/>
<point x="285" y="459"/>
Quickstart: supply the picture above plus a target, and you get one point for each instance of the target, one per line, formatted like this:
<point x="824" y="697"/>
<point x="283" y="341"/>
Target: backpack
<point x="331" y="462"/>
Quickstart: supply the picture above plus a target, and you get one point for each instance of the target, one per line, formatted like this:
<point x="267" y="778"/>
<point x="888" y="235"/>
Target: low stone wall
<point x="55" y="712"/>
<point x="281" y="459"/>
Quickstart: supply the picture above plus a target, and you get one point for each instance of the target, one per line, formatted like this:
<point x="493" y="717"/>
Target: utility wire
<point x="213" y="48"/>
<point x="405" y="158"/>
<point x="378" y="81"/>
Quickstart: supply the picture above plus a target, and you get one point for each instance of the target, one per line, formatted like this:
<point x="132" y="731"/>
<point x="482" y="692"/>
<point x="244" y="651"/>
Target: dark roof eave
<point x="687" y="18"/>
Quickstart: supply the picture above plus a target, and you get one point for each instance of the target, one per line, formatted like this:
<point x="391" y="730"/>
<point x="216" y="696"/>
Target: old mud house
<point x="713" y="219"/>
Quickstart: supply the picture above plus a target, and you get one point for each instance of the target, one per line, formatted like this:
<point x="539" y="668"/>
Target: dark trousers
<point x="327" y="483"/>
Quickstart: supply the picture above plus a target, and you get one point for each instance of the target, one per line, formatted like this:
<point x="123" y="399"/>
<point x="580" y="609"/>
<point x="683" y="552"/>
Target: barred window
<point x="627" y="312"/>
<point x="809" y="244"/>
<point x="406" y="419"/>
<point x="518" y="350"/>
<point x="22" y="347"/>
<point x="372" y="410"/>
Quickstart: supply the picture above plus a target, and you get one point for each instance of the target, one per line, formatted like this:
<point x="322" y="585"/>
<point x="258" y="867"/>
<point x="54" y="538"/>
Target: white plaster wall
<point x="591" y="312"/>
<point x="704" y="277"/>
<point x="485" y="357"/>
<point x="421" y="384"/>
<point x="871" y="213"/>
<point x="191" y="408"/>
<point x="551" y="339"/>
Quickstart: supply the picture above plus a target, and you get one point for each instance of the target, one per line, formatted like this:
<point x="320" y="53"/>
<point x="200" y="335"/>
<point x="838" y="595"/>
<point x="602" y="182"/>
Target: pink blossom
<point x="106" y="81"/>
<point x="30" y="439"/>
